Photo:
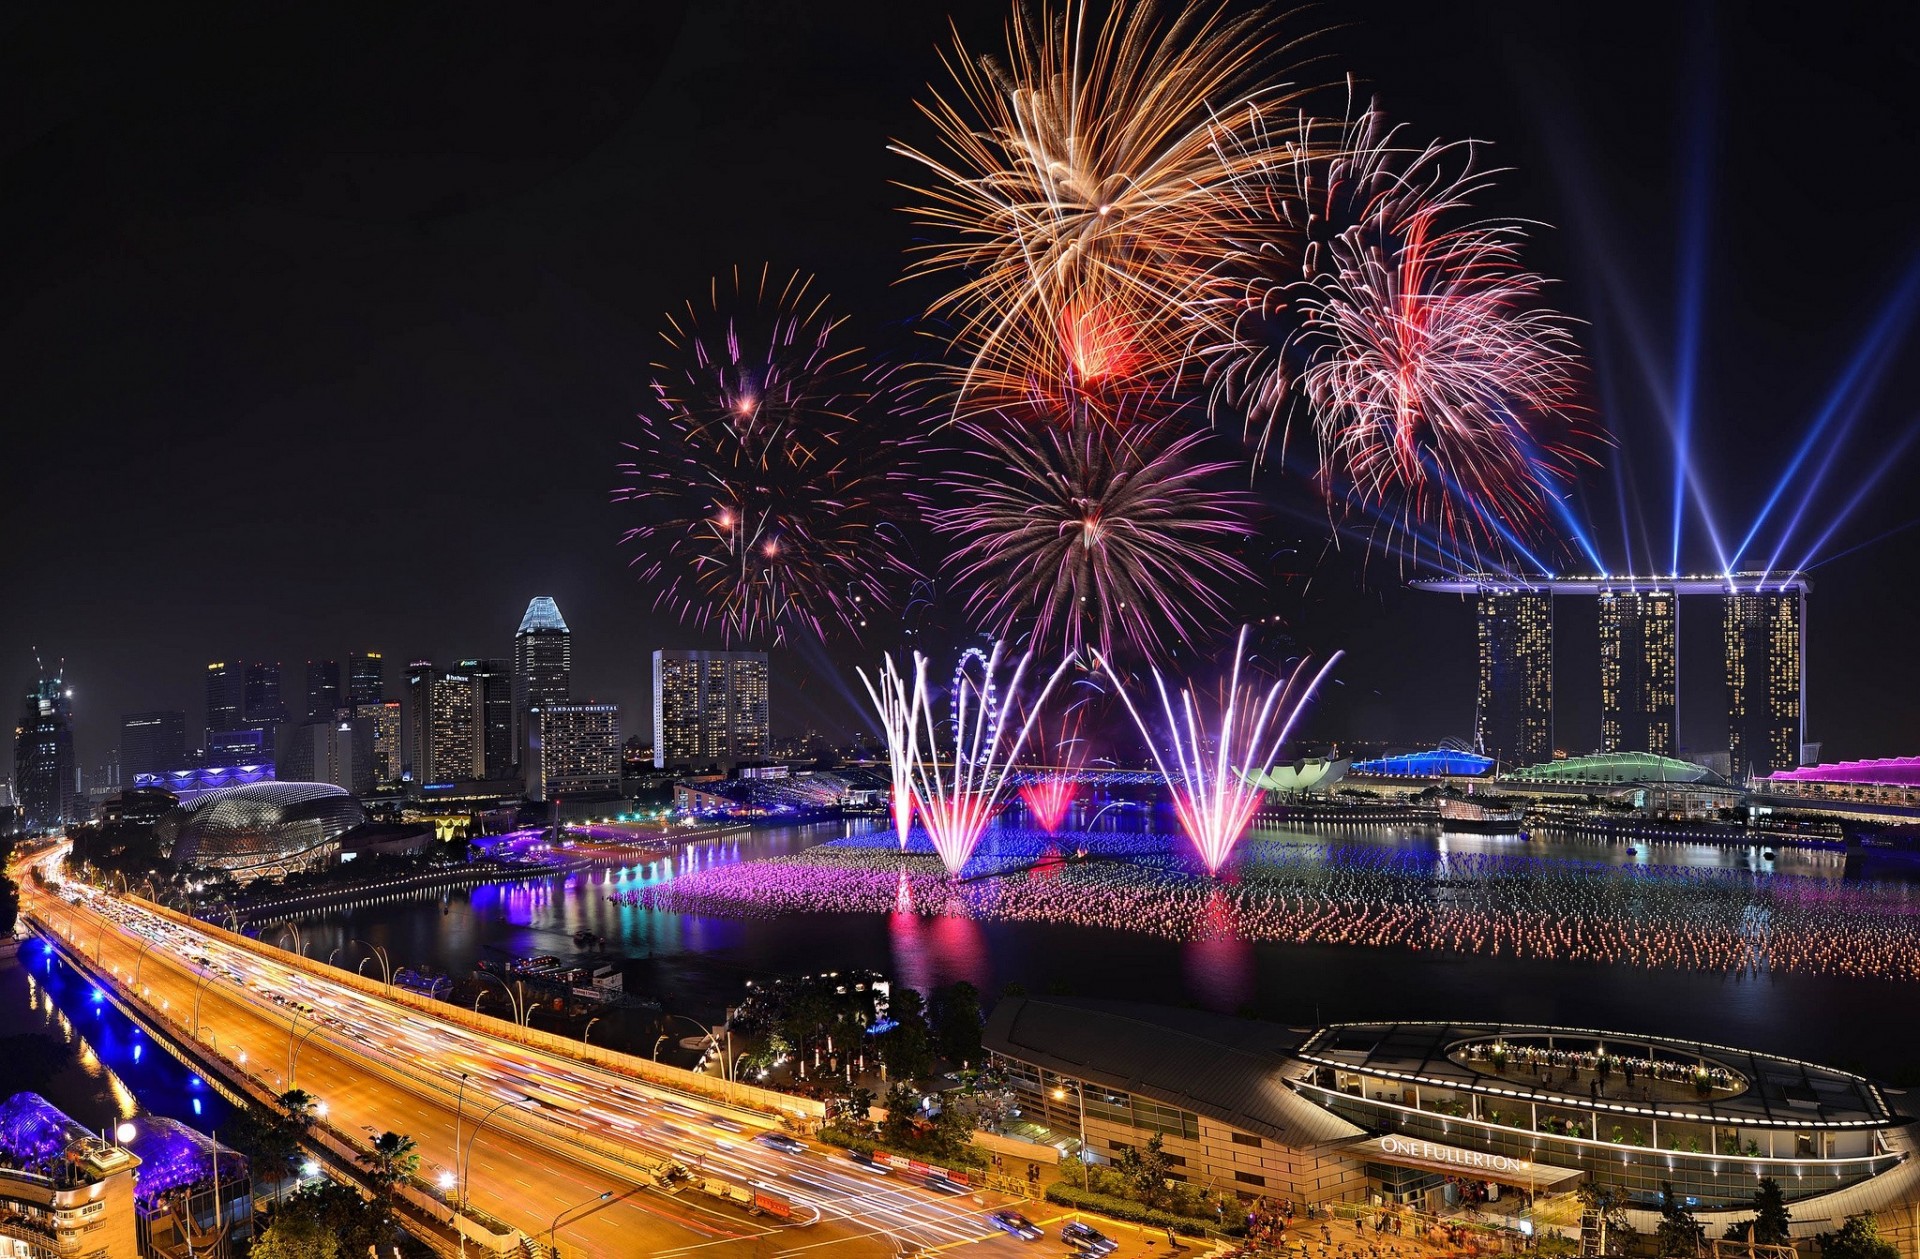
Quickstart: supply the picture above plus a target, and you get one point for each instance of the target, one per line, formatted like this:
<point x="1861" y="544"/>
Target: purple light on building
<point x="1886" y="771"/>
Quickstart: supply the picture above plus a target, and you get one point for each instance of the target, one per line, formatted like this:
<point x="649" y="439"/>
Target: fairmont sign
<point x="1449" y="1155"/>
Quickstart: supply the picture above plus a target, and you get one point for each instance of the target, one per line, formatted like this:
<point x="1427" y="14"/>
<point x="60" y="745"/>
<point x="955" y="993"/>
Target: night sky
<point x="321" y="329"/>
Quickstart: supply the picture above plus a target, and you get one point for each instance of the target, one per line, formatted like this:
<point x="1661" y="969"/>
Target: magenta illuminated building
<point x="1887" y="780"/>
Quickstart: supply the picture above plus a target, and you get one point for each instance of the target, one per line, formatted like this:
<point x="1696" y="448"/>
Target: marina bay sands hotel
<point x="1764" y="630"/>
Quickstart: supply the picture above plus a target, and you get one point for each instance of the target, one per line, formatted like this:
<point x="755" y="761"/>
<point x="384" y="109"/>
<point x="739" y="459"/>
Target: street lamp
<point x="463" y="1166"/>
<point x="713" y="1037"/>
<point x="588" y="1030"/>
<point x="386" y="963"/>
<point x="1079" y="1092"/>
<point x="458" y="1105"/>
<point x="293" y="1050"/>
<point x="551" y="1228"/>
<point x="519" y="1002"/>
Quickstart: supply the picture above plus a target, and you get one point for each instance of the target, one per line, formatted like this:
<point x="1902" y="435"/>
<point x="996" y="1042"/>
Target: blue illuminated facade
<point x="1437" y="763"/>
<point x="190" y="784"/>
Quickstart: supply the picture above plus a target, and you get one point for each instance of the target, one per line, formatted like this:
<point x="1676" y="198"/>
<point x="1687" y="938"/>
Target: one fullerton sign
<point x="1450" y="1156"/>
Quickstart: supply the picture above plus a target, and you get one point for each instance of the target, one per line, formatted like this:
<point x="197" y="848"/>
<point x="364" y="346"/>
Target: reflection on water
<point x="698" y="964"/>
<point x="108" y="1069"/>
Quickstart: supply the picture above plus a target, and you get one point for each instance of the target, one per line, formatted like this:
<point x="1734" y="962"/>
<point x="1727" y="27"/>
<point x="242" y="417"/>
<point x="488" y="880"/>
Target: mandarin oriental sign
<point x="1449" y="1155"/>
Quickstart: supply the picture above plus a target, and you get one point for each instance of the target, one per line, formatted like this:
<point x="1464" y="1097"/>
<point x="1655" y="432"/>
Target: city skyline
<point x="576" y="367"/>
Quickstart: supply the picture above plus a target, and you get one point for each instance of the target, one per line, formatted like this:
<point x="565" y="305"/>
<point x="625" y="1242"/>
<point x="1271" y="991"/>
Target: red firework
<point x="1049" y="801"/>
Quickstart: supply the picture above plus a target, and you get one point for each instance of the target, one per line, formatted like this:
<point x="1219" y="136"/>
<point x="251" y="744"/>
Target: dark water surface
<point x="697" y="964"/>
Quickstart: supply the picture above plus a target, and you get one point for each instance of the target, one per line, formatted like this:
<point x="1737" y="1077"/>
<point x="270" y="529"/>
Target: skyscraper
<point x="572" y="750"/>
<point x="709" y="707"/>
<point x="263" y="705"/>
<point x="1766" y="716"/>
<point x="1639" y="671"/>
<point x="44" y="783"/>
<point x="152" y="743"/>
<point x="330" y="751"/>
<point x="388" y="758"/>
<point x="1513" y="718"/>
<point x="542" y="662"/>
<point x="366" y="679"/>
<point x="493" y="709"/>
<point x="323" y="689"/>
<point x="448" y="742"/>
<point x="225" y="697"/>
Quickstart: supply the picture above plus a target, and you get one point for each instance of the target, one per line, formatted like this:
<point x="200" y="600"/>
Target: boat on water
<point x="1481" y="815"/>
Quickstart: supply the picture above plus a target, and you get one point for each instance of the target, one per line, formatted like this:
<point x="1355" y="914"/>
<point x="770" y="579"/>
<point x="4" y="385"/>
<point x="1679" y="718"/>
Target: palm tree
<point x="299" y="1107"/>
<point x="390" y="1163"/>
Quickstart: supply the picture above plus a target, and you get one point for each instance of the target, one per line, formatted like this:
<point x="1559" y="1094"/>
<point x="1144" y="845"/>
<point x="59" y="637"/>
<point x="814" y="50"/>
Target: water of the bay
<point x="698" y="965"/>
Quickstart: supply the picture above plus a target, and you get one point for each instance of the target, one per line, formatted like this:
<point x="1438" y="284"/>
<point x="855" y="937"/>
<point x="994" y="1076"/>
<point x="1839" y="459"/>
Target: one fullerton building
<point x="1419" y="1113"/>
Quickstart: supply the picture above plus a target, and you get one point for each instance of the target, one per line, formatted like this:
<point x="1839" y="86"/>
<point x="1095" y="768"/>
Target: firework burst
<point x="1080" y="190"/>
<point x="1050" y="797"/>
<point x="1093" y="535"/>
<point x="764" y="470"/>
<point x="958" y="789"/>
<point x="1442" y="391"/>
<point x="1218" y="759"/>
<point x="898" y="705"/>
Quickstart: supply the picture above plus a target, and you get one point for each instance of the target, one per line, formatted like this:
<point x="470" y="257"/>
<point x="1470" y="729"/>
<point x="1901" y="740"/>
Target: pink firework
<point x="898" y="705"/>
<point x="1049" y="800"/>
<point x="958" y="788"/>
<point x="1219" y="761"/>
<point x="1443" y="392"/>
<point x="1093" y="534"/>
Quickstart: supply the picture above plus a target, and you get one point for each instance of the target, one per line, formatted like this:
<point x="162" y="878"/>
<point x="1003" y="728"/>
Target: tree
<point x="956" y="1024"/>
<point x="952" y="1129"/>
<point x="390" y="1163"/>
<point x="296" y="1237"/>
<point x="298" y="1105"/>
<point x="1858" y="1238"/>
<point x="907" y="1047"/>
<point x="1679" y="1235"/>
<point x="1147" y="1170"/>
<point x="1769" y="1225"/>
<point x="1607" y="1208"/>
<point x="903" y="1108"/>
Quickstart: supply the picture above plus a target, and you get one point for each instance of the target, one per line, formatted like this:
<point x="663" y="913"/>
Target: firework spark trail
<point x="1049" y="800"/>
<point x="1216" y="773"/>
<point x="898" y="706"/>
<point x="1094" y="535"/>
<point x="765" y="471"/>
<point x="957" y="798"/>
<point x="1080" y="190"/>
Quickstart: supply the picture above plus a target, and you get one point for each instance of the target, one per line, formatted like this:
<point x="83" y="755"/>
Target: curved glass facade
<point x="260" y="829"/>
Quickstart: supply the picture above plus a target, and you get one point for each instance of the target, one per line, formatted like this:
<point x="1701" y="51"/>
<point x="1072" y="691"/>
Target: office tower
<point x="226" y="697"/>
<point x="493" y="709"/>
<point x="366" y="679"/>
<point x="331" y="751"/>
<point x="542" y="662"/>
<point x="709" y="707"/>
<point x="249" y="745"/>
<point x="1639" y="671"/>
<point x="262" y="703"/>
<point x="152" y="743"/>
<point x="449" y="737"/>
<point x="1766" y="699"/>
<point x="45" y="779"/>
<point x="388" y="758"/>
<point x="1513" y="719"/>
<point x="572" y="750"/>
<point x="323" y="689"/>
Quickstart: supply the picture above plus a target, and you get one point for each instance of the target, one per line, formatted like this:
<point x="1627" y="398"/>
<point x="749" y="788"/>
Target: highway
<point x="543" y="1136"/>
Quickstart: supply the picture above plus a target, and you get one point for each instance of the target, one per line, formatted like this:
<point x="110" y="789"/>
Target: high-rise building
<point x="1513" y="718"/>
<point x="152" y="743"/>
<point x="262" y="705"/>
<point x="493" y="708"/>
<point x="388" y="757"/>
<point x="329" y="751"/>
<point x="1766" y="697"/>
<point x="226" y="696"/>
<point x="45" y="781"/>
<point x="366" y="679"/>
<point x="449" y="734"/>
<point x="323" y="689"/>
<point x="709" y="707"/>
<point x="572" y="750"/>
<point x="1639" y="671"/>
<point x="419" y="696"/>
<point x="542" y="662"/>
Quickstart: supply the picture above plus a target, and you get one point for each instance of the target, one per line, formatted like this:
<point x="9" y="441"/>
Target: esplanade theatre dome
<point x="260" y="828"/>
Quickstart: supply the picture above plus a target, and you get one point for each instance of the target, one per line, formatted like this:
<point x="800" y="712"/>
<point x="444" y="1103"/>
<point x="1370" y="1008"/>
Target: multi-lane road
<point x="541" y="1137"/>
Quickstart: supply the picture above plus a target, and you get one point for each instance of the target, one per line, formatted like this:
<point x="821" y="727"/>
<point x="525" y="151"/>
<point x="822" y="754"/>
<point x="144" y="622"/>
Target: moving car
<point x="1087" y="1240"/>
<point x="781" y="1142"/>
<point x="1014" y="1224"/>
<point x="940" y="1184"/>
<point x="868" y="1162"/>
